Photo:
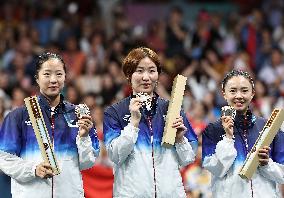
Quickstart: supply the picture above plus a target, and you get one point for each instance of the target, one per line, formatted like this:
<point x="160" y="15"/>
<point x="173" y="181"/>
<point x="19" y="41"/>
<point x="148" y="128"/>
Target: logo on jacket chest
<point x="28" y="123"/>
<point x="126" y="118"/>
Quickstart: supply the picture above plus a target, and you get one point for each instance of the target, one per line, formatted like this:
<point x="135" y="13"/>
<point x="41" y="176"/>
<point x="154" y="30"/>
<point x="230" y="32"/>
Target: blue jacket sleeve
<point x="119" y="142"/>
<point x="111" y="126"/>
<point x="88" y="149"/>
<point x="11" y="133"/>
<point x="208" y="142"/>
<point x="187" y="150"/>
<point x="214" y="159"/>
<point x="190" y="133"/>
<point x="10" y="148"/>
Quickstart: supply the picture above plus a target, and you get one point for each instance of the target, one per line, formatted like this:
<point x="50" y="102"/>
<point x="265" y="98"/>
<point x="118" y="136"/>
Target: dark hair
<point x="42" y="58"/>
<point x="176" y="9"/>
<point x="233" y="73"/>
<point x="134" y="57"/>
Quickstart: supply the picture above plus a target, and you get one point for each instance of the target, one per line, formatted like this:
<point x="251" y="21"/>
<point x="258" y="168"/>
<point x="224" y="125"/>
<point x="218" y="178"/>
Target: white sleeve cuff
<point x="227" y="144"/>
<point x="130" y="131"/>
<point x="183" y="146"/>
<point x="83" y="140"/>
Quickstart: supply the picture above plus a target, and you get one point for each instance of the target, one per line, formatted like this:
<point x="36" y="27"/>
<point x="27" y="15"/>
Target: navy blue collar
<point x="62" y="107"/>
<point x="245" y="121"/>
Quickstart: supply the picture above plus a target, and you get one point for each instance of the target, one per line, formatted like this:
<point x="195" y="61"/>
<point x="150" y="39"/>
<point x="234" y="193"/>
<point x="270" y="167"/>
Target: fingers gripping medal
<point x="146" y="100"/>
<point x="82" y="110"/>
<point x="228" y="111"/>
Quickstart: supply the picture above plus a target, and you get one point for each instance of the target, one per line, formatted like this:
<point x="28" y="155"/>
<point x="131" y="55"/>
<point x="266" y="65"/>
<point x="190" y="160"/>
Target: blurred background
<point x="200" y="39"/>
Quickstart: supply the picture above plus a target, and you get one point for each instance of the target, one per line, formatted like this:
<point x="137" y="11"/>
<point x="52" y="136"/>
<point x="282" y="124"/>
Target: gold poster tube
<point x="41" y="132"/>
<point x="265" y="138"/>
<point x="174" y="109"/>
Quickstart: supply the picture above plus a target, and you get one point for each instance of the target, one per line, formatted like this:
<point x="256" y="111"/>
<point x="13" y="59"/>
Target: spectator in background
<point x="251" y="37"/>
<point x="91" y="100"/>
<point x="273" y="72"/>
<point x="213" y="64"/>
<point x="155" y="38"/>
<point x="74" y="58"/>
<point x="116" y="51"/>
<point x="175" y="33"/>
<point x="262" y="101"/>
<point x="5" y="84"/>
<point x="197" y="116"/>
<point x="116" y="73"/>
<point x="109" y="89"/>
<point x="133" y="135"/>
<point x="205" y="35"/>
<point x="72" y="94"/>
<point x="97" y="50"/>
<point x="90" y="81"/>
<point x="213" y="112"/>
<point x="18" y="96"/>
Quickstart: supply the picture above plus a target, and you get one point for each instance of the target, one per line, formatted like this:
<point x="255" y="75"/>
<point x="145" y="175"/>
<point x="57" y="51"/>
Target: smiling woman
<point x="226" y="143"/>
<point x="75" y="144"/>
<point x="50" y="76"/>
<point x="133" y="130"/>
<point x="238" y="90"/>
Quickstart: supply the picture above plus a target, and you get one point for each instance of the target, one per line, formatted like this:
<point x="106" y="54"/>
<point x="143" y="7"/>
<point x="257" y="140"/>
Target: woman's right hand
<point x="134" y="108"/>
<point x="44" y="170"/>
<point x="228" y="125"/>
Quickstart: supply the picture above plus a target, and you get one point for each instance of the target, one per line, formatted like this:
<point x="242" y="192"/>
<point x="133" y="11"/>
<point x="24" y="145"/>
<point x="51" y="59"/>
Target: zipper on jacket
<point x="52" y="140"/>
<point x="153" y="157"/>
<point x="247" y="149"/>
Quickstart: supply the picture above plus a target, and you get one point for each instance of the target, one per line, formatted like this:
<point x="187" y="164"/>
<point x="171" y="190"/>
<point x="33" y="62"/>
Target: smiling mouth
<point x="239" y="103"/>
<point x="53" y="87"/>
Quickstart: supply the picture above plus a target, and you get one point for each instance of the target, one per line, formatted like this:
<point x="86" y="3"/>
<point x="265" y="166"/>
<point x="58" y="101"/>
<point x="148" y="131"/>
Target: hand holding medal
<point x="228" y="116"/>
<point x="85" y="120"/>
<point x="228" y="111"/>
<point x="146" y="100"/>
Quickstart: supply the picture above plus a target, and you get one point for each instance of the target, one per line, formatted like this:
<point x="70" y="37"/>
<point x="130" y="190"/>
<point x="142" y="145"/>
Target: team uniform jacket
<point x="20" y="153"/>
<point x="224" y="157"/>
<point x="143" y="168"/>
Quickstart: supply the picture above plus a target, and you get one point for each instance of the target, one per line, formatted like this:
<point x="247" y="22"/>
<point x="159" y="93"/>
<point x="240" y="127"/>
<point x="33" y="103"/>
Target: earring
<point x="156" y="84"/>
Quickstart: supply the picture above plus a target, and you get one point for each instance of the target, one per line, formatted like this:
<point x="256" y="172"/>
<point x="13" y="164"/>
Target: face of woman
<point x="145" y="77"/>
<point x="238" y="93"/>
<point x="51" y="78"/>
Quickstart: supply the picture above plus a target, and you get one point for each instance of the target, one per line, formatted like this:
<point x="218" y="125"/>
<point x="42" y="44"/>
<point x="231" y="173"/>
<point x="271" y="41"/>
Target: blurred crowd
<point x="94" y="36"/>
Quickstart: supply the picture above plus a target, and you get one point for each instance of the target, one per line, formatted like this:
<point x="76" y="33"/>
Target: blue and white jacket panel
<point x="224" y="158"/>
<point x="131" y="150"/>
<point x="20" y="153"/>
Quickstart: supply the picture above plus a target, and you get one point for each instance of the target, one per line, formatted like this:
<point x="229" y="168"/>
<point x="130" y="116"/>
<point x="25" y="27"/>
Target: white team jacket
<point x="67" y="184"/>
<point x="226" y="183"/>
<point x="142" y="166"/>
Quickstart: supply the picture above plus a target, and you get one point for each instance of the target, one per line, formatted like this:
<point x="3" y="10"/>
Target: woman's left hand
<point x="85" y="124"/>
<point x="263" y="155"/>
<point x="181" y="129"/>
